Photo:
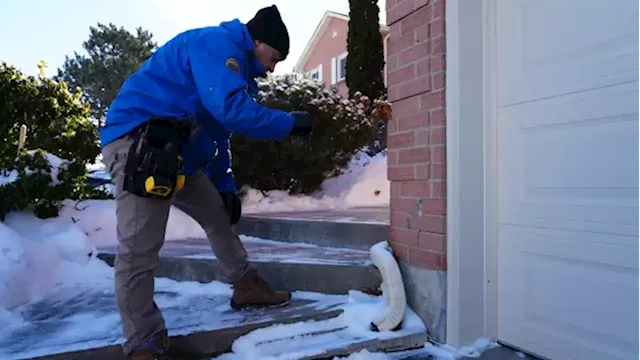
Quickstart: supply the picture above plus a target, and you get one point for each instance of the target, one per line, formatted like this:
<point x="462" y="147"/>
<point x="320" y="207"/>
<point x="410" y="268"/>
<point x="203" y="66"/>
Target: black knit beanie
<point x="267" y="26"/>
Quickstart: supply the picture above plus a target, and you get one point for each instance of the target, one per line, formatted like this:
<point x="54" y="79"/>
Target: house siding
<point x="327" y="48"/>
<point x="416" y="153"/>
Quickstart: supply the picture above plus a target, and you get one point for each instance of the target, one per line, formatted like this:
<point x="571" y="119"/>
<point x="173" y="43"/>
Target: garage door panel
<point x="559" y="168"/>
<point x="556" y="47"/>
<point x="564" y="295"/>
<point x="567" y="177"/>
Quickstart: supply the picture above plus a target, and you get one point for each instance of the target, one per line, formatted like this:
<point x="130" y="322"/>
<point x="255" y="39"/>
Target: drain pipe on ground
<point x="392" y="288"/>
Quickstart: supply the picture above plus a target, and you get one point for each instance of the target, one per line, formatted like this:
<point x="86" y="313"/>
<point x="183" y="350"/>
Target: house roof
<point x="322" y="26"/>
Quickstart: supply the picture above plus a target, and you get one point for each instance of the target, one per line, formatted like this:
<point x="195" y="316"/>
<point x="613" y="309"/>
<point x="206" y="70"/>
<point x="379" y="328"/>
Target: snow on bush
<point x="42" y="181"/>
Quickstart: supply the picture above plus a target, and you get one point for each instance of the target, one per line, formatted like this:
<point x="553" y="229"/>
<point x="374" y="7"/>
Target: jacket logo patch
<point x="232" y="64"/>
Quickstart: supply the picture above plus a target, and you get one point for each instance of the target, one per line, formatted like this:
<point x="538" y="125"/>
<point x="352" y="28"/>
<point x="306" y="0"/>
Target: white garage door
<point x="567" y="132"/>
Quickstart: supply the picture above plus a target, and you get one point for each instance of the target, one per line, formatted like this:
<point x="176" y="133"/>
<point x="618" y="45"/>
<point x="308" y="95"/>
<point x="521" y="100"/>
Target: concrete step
<point x="327" y="339"/>
<point x="287" y="266"/>
<point x="353" y="228"/>
<point x="84" y="323"/>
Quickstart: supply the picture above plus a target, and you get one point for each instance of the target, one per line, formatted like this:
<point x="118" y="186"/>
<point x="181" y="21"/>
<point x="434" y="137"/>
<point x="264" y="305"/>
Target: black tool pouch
<point x="154" y="163"/>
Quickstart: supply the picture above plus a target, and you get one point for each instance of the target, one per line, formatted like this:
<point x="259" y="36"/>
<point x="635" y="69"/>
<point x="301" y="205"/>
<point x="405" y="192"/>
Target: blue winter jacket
<point x="193" y="75"/>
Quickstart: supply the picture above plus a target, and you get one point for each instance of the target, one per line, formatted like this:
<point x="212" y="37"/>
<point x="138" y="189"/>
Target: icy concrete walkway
<point x="267" y="251"/>
<point x="379" y="215"/>
<point x="498" y="353"/>
<point x="83" y="319"/>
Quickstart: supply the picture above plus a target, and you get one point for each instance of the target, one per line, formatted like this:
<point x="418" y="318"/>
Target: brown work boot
<point x="148" y="354"/>
<point x="154" y="349"/>
<point x="252" y="291"/>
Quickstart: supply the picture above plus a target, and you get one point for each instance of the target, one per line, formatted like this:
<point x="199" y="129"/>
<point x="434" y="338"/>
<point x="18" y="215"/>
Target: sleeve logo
<point x="232" y="64"/>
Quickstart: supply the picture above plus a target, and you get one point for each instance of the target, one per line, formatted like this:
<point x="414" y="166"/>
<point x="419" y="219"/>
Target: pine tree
<point x="113" y="53"/>
<point x="365" y="59"/>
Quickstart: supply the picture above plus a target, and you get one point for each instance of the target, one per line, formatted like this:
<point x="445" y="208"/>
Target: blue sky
<point x="50" y="29"/>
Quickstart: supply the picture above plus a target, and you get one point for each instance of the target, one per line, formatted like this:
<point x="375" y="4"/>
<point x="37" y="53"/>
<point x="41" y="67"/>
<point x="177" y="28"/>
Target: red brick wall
<point x="416" y="143"/>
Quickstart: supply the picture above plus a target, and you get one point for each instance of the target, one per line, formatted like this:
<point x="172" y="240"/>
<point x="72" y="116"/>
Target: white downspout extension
<point x="385" y="42"/>
<point x="392" y="288"/>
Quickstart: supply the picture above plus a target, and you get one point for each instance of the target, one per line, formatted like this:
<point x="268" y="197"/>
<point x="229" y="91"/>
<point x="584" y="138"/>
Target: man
<point x="171" y="118"/>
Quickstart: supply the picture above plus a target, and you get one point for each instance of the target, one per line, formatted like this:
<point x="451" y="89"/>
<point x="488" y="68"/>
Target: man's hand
<point x="233" y="205"/>
<point x="302" y="123"/>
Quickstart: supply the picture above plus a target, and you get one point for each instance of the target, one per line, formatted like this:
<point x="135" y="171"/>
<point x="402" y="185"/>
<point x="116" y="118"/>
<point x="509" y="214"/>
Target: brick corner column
<point x="416" y="142"/>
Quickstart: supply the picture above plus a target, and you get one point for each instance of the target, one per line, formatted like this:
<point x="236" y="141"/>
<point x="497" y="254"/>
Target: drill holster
<point x="154" y="164"/>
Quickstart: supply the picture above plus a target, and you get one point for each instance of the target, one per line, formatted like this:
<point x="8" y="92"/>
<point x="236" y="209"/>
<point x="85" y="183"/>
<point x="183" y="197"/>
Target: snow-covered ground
<point x="363" y="184"/>
<point x="41" y="258"/>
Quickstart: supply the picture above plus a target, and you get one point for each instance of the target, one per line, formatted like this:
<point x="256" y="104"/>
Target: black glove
<point x="302" y="123"/>
<point x="233" y="205"/>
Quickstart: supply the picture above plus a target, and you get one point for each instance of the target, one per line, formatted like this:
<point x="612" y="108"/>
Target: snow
<point x="55" y="162"/>
<point x="8" y="178"/>
<point x="448" y="352"/>
<point x="294" y="341"/>
<point x="312" y="338"/>
<point x="97" y="219"/>
<point x="42" y="258"/>
<point x="36" y="259"/>
<point x="437" y="352"/>
<point x="39" y="255"/>
<point x="363" y="184"/>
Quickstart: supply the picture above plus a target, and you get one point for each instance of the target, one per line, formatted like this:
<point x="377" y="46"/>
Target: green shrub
<point x="58" y="124"/>
<point x="299" y="165"/>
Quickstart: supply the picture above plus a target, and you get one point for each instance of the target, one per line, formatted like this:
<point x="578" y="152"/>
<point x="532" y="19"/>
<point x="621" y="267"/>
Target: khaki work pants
<point x="141" y="224"/>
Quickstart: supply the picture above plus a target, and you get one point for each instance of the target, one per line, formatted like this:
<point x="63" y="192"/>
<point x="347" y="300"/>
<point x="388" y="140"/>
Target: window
<point x="339" y="68"/>
<point x="316" y="73"/>
<point x="342" y="67"/>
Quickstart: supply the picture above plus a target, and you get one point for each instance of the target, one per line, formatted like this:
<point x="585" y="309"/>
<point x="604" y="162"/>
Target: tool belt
<point x="154" y="165"/>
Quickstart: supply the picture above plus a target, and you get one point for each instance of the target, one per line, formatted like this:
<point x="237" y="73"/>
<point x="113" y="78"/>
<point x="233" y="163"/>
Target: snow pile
<point x="363" y="184"/>
<point x="310" y="338"/>
<point x="38" y="257"/>
<point x="448" y="352"/>
<point x="97" y="219"/>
